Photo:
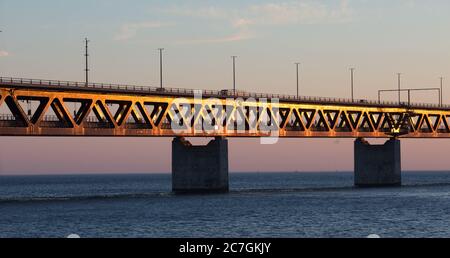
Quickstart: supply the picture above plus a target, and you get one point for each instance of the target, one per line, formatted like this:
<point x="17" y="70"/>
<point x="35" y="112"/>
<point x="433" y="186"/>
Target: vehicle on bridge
<point x="231" y="92"/>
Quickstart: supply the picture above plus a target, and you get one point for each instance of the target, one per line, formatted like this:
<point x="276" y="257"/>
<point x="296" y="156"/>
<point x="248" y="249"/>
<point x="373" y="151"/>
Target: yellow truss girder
<point x="158" y="115"/>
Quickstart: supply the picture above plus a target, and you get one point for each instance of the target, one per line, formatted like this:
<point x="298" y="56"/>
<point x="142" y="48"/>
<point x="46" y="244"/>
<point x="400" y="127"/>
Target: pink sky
<point x="379" y="38"/>
<point x="152" y="155"/>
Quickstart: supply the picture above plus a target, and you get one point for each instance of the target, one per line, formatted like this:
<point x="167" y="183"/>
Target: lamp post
<point x="399" y="84"/>
<point x="86" y="55"/>
<point x="234" y="74"/>
<point x="297" y="67"/>
<point x="352" y="71"/>
<point x="442" y="95"/>
<point x="161" y="67"/>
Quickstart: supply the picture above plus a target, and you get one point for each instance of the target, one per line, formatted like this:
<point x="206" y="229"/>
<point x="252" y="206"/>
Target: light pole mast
<point x="352" y="71"/>
<point x="297" y="65"/>
<point x="86" y="55"/>
<point x="442" y="95"/>
<point x="161" y="67"/>
<point x="234" y="74"/>
<point x="399" y="84"/>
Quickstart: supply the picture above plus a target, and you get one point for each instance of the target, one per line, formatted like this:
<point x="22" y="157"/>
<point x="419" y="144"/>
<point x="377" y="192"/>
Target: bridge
<point x="31" y="107"/>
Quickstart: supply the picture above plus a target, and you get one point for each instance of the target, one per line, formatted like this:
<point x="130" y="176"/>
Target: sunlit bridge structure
<point x="32" y="107"/>
<point x="60" y="108"/>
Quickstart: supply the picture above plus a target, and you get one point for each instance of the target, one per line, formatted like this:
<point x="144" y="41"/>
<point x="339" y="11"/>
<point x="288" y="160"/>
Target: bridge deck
<point x="71" y="86"/>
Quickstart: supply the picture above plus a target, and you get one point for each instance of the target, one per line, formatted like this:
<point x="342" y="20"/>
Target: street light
<point x="399" y="82"/>
<point x="86" y="55"/>
<point x="442" y="82"/>
<point x="297" y="65"/>
<point x="234" y="74"/>
<point x="352" y="71"/>
<point x="161" y="67"/>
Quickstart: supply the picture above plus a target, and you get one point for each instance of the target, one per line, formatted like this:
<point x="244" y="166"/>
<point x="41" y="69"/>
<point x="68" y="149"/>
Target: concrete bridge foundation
<point x="199" y="169"/>
<point x="377" y="165"/>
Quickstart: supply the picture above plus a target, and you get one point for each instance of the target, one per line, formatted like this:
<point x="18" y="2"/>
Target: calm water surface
<point x="259" y="205"/>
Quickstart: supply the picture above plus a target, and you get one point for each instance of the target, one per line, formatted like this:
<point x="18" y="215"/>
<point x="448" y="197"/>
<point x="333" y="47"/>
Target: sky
<point x="44" y="39"/>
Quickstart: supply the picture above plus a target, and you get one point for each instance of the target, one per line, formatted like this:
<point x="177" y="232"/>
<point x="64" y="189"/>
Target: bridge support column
<point x="199" y="169"/>
<point x="377" y="165"/>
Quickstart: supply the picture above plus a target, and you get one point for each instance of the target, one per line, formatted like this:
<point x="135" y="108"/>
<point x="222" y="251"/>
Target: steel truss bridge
<point x="59" y="108"/>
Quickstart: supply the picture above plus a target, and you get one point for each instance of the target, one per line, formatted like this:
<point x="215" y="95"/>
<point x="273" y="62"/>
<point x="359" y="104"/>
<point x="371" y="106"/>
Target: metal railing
<point x="54" y="121"/>
<point x="209" y="93"/>
<point x="7" y="117"/>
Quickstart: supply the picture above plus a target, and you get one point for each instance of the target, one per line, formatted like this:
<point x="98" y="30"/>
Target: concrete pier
<point x="377" y="165"/>
<point x="199" y="169"/>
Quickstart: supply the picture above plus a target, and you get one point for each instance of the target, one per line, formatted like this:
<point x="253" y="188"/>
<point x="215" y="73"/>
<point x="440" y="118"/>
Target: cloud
<point x="241" y="35"/>
<point x="298" y="12"/>
<point x="242" y="22"/>
<point x="247" y="19"/>
<point x="410" y="3"/>
<point x="201" y="12"/>
<point x="130" y="30"/>
<point x="274" y="13"/>
<point x="3" y="53"/>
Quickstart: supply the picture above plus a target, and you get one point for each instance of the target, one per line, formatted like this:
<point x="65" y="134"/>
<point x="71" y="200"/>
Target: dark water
<point x="259" y="205"/>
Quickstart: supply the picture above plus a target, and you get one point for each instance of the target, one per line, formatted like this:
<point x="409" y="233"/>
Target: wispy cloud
<point x="130" y="30"/>
<point x="410" y="3"/>
<point x="298" y="12"/>
<point x="201" y="12"/>
<point x="4" y="53"/>
<point x="248" y="19"/>
<point x="241" y="35"/>
<point x="275" y="13"/>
